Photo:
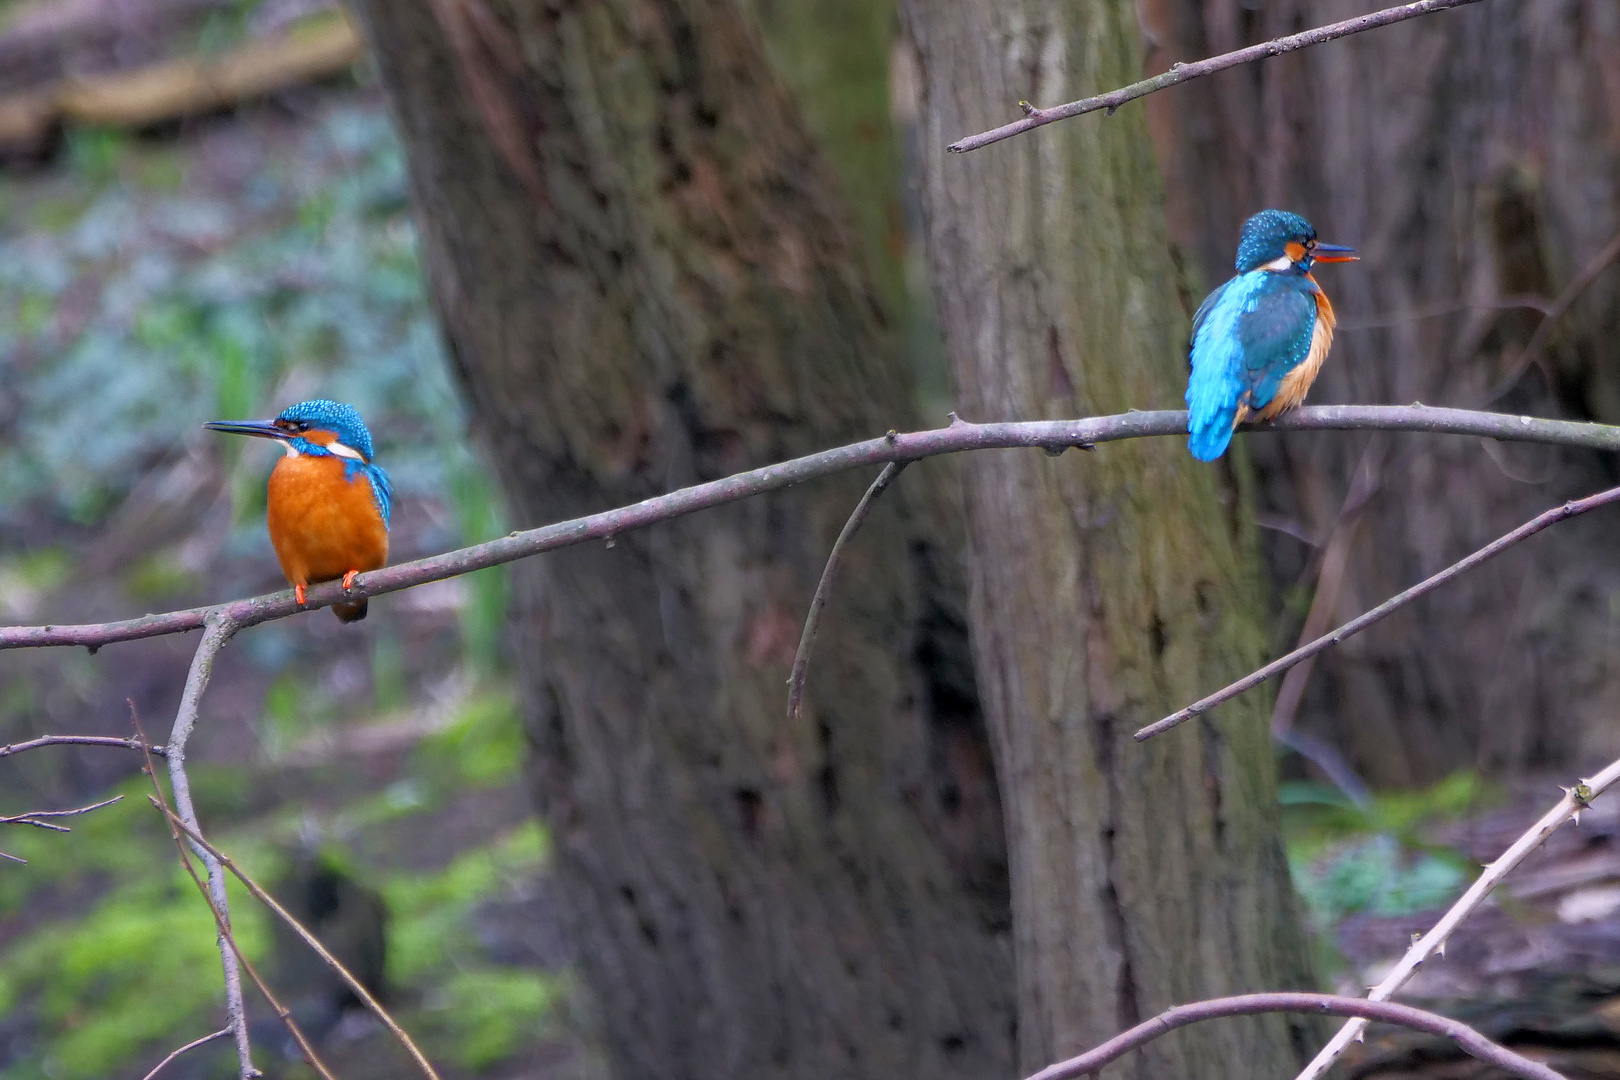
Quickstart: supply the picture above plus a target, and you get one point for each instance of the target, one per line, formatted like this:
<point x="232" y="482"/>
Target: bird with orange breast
<point x="328" y="504"/>
<point x="1258" y="341"/>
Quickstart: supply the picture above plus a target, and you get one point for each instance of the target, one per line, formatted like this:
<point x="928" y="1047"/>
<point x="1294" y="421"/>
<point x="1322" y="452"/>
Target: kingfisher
<point x="1259" y="340"/>
<point x="328" y="504"/>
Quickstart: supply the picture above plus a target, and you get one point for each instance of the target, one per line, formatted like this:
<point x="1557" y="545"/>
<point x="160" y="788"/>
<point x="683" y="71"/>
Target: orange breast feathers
<point x="321" y="524"/>
<point x="1297" y="383"/>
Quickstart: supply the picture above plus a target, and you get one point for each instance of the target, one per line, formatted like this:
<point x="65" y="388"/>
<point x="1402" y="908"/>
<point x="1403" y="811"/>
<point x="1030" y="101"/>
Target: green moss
<point x="483" y="746"/>
<point x="484" y="1014"/>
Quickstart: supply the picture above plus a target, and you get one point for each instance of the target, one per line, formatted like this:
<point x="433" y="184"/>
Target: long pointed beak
<point x="1334" y="253"/>
<point x="260" y="429"/>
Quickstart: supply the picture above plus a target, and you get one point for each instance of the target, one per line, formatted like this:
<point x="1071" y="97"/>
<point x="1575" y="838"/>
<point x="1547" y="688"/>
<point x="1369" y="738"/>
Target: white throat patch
<point x="1279" y="264"/>
<point x="345" y="451"/>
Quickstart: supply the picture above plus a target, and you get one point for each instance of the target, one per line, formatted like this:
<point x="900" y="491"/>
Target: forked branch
<point x="1177" y="1016"/>
<point x="1575" y="800"/>
<point x="1180" y="73"/>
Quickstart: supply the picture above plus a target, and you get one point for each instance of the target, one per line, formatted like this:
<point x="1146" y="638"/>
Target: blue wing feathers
<point x="382" y="489"/>
<point x="1247" y="335"/>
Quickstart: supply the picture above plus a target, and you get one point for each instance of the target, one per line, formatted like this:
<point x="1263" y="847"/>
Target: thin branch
<point x="78" y="740"/>
<point x="1325" y="1004"/>
<point x="1575" y="800"/>
<point x="1388" y="607"/>
<point x="807" y="639"/>
<point x="1566" y="299"/>
<point x="1180" y="73"/>
<point x="222" y="924"/>
<point x="33" y="817"/>
<point x="192" y="1045"/>
<point x="217" y="631"/>
<point x="309" y="939"/>
<point x="959" y="436"/>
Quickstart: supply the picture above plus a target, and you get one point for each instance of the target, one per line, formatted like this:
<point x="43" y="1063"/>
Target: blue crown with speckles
<point x="1266" y="236"/>
<point x="334" y="416"/>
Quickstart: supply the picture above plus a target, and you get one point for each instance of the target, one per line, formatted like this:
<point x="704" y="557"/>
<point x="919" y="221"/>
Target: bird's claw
<point x="348" y="580"/>
<point x="299" y="595"/>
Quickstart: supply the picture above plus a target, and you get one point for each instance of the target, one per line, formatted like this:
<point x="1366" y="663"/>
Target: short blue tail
<point x="1208" y="440"/>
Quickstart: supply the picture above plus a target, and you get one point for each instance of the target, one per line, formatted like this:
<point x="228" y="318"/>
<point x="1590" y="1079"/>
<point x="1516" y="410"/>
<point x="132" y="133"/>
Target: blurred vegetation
<point x="148" y="284"/>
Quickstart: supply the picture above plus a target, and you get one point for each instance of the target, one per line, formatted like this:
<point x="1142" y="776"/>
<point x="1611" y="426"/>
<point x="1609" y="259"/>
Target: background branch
<point x="914" y="446"/>
<point x="309" y="939"/>
<point x="1388" y="607"/>
<point x="1575" y="800"/>
<point x="80" y="740"/>
<point x="807" y="639"/>
<point x="1180" y="73"/>
<point x="192" y="1045"/>
<point x="1330" y="1004"/>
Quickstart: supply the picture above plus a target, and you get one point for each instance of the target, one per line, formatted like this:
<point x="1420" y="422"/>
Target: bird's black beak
<point x="1333" y="253"/>
<point x="260" y="429"/>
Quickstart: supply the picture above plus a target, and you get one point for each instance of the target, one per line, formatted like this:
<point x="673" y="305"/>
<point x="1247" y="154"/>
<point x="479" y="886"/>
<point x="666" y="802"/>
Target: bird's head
<point x="1279" y="241"/>
<point x="310" y="427"/>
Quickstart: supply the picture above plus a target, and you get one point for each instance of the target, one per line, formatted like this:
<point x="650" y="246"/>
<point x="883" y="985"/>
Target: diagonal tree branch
<point x="1575" y="800"/>
<point x="1388" y="607"/>
<point x="1177" y="1016"/>
<point x="309" y="939"/>
<point x="1180" y="73"/>
<point x="914" y="446"/>
<point x="192" y="1045"/>
<point x="807" y="639"/>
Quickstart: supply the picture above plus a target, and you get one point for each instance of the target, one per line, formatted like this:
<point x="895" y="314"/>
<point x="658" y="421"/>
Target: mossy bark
<point x="646" y="280"/>
<point x="1471" y="156"/>
<point x="1109" y="587"/>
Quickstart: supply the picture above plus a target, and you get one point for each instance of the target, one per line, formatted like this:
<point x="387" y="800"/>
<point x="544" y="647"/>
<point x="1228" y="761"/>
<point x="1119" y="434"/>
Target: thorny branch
<point x="807" y="639"/>
<point x="913" y="446"/>
<point x="1327" y="1004"/>
<point x="1180" y="73"/>
<point x="309" y="939"/>
<point x="1575" y="800"/>
<point x="1388" y="607"/>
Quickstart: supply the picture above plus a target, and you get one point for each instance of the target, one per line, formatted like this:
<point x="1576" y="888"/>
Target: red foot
<point x="348" y="579"/>
<point x="298" y="594"/>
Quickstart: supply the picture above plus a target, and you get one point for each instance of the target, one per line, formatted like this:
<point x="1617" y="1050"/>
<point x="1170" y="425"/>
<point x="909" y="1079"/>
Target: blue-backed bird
<point x="1259" y="340"/>
<point x="328" y="504"/>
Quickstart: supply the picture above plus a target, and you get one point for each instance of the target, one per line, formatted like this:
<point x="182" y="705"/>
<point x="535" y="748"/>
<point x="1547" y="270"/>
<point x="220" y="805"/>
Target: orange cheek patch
<point x="1296" y="250"/>
<point x="321" y="438"/>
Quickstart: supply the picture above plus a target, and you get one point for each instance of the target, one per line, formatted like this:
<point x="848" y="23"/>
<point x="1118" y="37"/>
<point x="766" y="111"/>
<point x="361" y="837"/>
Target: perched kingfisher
<point x="328" y="504"/>
<point x="1258" y="341"/>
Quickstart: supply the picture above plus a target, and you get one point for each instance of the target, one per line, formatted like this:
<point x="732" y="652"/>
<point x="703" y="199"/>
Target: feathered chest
<point x="329" y="488"/>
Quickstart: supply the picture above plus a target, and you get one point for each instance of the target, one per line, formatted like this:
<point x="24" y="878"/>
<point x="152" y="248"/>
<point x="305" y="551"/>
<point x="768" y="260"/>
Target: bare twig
<point x="192" y="1045"/>
<point x="33" y="817"/>
<point x="959" y="436"/>
<point x="807" y="639"/>
<point x="1575" y="800"/>
<point x="309" y="939"/>
<point x="78" y="740"/>
<point x="216" y="632"/>
<point x="222" y="924"/>
<point x="1327" y="1004"/>
<point x="1566" y="299"/>
<point x="1180" y="73"/>
<point x="1388" y="607"/>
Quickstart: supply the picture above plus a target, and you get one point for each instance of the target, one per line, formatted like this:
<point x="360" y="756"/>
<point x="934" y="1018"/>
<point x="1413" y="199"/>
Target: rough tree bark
<point x="646" y="281"/>
<point x="1109" y="587"/>
<point x="1473" y="158"/>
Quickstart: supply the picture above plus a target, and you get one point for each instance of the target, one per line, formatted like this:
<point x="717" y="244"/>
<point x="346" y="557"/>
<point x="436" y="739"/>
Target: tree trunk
<point x="646" y="281"/>
<point x="1472" y="157"/>
<point x="1111" y="587"/>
